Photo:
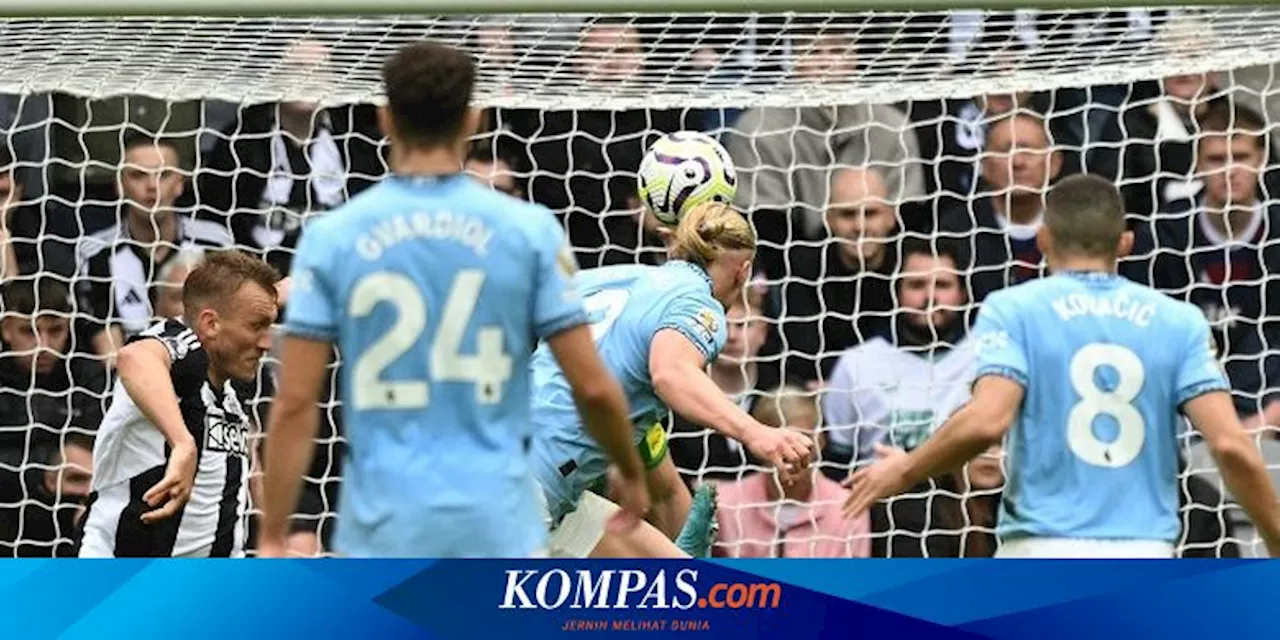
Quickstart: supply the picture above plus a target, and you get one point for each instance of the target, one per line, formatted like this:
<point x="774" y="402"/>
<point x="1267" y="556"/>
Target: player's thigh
<point x="642" y="541"/>
<point x="582" y="528"/>
<point x="1082" y="548"/>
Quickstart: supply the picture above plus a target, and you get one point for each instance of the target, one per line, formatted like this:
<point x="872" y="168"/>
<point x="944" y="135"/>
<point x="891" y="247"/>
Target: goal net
<point x="859" y="138"/>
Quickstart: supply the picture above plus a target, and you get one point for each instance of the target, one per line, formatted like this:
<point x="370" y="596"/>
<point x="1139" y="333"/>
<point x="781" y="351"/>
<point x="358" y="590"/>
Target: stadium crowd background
<point x="866" y="214"/>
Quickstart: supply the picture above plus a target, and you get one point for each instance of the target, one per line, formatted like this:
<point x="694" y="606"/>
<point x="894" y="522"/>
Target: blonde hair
<point x="781" y="405"/>
<point x="710" y="230"/>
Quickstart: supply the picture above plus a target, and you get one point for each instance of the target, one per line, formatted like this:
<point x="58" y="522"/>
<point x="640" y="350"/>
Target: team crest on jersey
<point x="988" y="341"/>
<point x="708" y="323"/>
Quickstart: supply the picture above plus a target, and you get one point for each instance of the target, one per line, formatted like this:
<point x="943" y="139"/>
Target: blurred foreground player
<point x="1087" y="372"/>
<point x="435" y="289"/>
<point x="657" y="328"/>
<point x="170" y="464"/>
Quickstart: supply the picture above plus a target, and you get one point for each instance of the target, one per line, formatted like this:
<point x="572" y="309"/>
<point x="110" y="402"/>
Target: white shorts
<point x="1082" y="548"/>
<point x="581" y="529"/>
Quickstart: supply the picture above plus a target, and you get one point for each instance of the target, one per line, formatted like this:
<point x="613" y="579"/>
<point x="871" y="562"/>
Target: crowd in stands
<point x="882" y="226"/>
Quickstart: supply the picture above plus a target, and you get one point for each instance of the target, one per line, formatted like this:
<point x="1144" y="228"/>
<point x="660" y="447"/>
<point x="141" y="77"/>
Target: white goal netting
<point x="893" y="163"/>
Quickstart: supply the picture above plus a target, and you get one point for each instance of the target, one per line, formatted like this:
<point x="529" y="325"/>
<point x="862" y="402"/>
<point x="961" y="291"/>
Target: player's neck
<point x="436" y="161"/>
<point x="216" y="378"/>
<point x="1082" y="264"/>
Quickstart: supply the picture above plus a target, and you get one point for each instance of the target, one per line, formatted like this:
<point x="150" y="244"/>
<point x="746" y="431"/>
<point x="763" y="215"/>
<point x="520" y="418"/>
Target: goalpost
<point x="572" y="113"/>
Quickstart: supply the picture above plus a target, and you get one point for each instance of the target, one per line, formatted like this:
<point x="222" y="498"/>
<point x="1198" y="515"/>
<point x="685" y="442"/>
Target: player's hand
<point x="270" y="548"/>
<point x="174" y="489"/>
<point x="787" y="451"/>
<point x="632" y="494"/>
<point x="886" y="477"/>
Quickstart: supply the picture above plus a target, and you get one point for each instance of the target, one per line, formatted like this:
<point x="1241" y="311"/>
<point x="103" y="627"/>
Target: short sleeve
<point x="556" y="304"/>
<point x="699" y="319"/>
<point x="312" y="309"/>
<point x="1199" y="371"/>
<point x="188" y="362"/>
<point x="999" y="343"/>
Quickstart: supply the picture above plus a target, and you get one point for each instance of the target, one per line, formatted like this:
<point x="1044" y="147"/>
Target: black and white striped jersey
<point x="130" y="455"/>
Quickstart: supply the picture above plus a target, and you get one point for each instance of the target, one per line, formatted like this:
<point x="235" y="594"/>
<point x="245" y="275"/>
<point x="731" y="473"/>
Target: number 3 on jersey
<point x="1117" y="403"/>
<point x="489" y="368"/>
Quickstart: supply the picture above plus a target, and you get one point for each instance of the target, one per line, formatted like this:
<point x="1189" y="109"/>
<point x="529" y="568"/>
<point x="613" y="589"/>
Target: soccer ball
<point x="683" y="170"/>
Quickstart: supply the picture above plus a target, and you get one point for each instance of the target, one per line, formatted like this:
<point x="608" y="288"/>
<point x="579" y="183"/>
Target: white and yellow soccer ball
<point x="683" y="170"/>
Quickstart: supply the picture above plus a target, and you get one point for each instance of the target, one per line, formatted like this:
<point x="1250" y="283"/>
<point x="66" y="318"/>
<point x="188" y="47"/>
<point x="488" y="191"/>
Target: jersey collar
<point x="1092" y="276"/>
<point x="684" y="264"/>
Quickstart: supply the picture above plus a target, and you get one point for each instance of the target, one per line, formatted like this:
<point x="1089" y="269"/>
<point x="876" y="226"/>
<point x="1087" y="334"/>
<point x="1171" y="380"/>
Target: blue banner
<point x="742" y="599"/>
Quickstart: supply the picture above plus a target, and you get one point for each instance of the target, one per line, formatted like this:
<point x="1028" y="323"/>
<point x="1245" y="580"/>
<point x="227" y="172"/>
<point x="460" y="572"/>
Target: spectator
<point x="1019" y="163"/>
<point x="495" y="170"/>
<point x="39" y="515"/>
<point x="900" y="387"/>
<point x="278" y="163"/>
<point x="118" y="264"/>
<point x="34" y="237"/>
<point x="10" y="193"/>
<point x="837" y="294"/>
<point x="701" y="453"/>
<point x="760" y="516"/>
<point x="952" y="516"/>
<point x="1221" y="250"/>
<point x="1156" y="143"/>
<point x="166" y="292"/>
<point x="582" y="162"/>
<point x="787" y="157"/>
<point x="1153" y="137"/>
<point x="953" y="132"/>
<point x="43" y="389"/>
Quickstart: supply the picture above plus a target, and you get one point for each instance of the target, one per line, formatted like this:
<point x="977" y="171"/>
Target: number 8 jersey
<point x="627" y="306"/>
<point x="1106" y="365"/>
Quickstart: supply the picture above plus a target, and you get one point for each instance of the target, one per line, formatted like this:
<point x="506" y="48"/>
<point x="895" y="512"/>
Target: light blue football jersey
<point x="627" y="306"/>
<point x="436" y="291"/>
<point x="1106" y="365"/>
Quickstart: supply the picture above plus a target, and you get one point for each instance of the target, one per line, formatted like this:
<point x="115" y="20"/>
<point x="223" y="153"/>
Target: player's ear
<point x="1125" y="245"/>
<point x="386" y="124"/>
<point x="1043" y="242"/>
<point x="207" y="322"/>
<point x="471" y="123"/>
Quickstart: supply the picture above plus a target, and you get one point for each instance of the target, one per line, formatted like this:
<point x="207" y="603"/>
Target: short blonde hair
<point x="710" y="230"/>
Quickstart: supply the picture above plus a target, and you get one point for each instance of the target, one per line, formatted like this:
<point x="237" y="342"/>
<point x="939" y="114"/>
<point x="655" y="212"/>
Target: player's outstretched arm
<point x="968" y="432"/>
<point x="289" y="443"/>
<point x="679" y="379"/>
<point x="144" y="368"/>
<point x="604" y="412"/>
<point x="1240" y="462"/>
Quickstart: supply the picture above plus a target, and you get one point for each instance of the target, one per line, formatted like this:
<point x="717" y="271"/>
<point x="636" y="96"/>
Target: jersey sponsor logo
<point x="226" y="427"/>
<point x="225" y="436"/>
<point x="708" y="324"/>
